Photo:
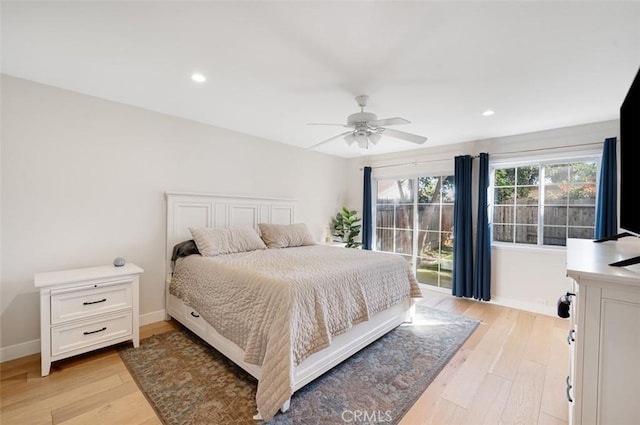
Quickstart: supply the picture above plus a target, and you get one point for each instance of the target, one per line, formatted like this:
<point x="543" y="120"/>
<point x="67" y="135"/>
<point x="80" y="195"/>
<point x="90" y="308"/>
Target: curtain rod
<point x="414" y="163"/>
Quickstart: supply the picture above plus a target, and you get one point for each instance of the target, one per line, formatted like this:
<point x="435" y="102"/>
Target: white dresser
<point x="86" y="309"/>
<point x="603" y="386"/>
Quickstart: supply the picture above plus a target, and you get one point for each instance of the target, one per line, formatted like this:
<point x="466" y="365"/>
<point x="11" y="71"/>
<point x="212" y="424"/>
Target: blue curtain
<point x="462" y="228"/>
<point x="606" y="209"/>
<point x="482" y="272"/>
<point x="367" y="225"/>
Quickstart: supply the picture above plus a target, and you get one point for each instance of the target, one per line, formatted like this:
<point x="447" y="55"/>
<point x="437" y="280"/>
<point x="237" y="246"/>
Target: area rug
<point x="188" y="382"/>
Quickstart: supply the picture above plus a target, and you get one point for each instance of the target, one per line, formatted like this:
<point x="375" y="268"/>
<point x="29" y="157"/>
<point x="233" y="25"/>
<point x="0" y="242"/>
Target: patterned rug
<point x="190" y="383"/>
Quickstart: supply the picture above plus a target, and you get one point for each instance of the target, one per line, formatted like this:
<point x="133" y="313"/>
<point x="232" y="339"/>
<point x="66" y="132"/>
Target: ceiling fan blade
<point x="389" y="121"/>
<point x="413" y="138"/>
<point x="329" y="139"/>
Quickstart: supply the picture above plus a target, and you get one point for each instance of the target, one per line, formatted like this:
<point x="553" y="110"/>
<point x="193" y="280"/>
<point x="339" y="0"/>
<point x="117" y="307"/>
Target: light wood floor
<point x="510" y="371"/>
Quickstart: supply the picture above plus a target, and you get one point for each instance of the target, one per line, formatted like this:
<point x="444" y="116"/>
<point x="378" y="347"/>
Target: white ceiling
<point x="273" y="67"/>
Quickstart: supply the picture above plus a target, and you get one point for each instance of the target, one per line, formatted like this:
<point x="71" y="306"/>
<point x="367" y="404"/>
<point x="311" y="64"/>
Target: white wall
<point x="529" y="278"/>
<point x="83" y="181"/>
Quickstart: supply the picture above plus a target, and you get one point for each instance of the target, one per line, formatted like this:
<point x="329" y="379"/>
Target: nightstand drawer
<point x="89" y="332"/>
<point x="88" y="301"/>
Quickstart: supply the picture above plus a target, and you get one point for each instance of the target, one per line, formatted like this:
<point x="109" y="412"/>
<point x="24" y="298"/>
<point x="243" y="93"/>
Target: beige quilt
<point x="282" y="305"/>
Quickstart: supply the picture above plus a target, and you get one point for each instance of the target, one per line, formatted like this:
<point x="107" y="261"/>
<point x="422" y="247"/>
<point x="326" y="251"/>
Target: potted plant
<point x="346" y="226"/>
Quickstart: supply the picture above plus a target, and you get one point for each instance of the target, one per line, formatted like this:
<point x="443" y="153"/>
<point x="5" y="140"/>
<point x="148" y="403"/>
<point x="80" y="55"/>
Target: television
<point x="629" y="168"/>
<point x="630" y="159"/>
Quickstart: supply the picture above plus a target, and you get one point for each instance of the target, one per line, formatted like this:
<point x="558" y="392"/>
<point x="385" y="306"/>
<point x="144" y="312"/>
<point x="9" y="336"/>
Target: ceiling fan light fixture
<point x="374" y="138"/>
<point x="349" y="138"/>
<point x="362" y="140"/>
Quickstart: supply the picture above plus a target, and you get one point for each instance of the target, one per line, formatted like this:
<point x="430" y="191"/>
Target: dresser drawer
<point x="91" y="300"/>
<point x="86" y="333"/>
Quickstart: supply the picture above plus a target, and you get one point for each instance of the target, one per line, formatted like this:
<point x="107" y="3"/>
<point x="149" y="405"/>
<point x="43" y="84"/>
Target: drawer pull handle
<point x="95" y="332"/>
<point x="194" y="314"/>
<point x="570" y="337"/>
<point x="569" y="386"/>
<point x="94" y="302"/>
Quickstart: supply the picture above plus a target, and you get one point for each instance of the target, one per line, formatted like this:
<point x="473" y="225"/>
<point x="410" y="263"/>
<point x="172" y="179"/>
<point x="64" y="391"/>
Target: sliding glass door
<point x="414" y="218"/>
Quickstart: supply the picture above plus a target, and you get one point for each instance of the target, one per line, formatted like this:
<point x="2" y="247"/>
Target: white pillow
<point x="285" y="235"/>
<point x="212" y="242"/>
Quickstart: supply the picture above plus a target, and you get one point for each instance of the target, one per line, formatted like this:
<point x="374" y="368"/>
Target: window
<point x="414" y="218"/>
<point x="545" y="203"/>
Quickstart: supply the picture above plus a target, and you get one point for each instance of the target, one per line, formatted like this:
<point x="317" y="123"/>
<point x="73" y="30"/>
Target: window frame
<point x="542" y="161"/>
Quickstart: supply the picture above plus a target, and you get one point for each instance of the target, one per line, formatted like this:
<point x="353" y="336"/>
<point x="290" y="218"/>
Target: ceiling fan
<point x="367" y="129"/>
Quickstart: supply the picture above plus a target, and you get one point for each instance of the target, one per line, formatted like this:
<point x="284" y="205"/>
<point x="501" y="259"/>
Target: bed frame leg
<point x="412" y="311"/>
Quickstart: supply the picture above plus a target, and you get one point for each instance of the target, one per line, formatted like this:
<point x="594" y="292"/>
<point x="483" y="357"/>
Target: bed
<point x="284" y="315"/>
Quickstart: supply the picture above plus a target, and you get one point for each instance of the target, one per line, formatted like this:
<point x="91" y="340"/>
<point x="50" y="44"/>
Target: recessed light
<point x="198" y="78"/>
<point x="488" y="113"/>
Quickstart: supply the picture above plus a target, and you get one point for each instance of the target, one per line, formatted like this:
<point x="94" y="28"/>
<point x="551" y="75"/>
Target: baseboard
<point x="19" y="350"/>
<point x="154" y="316"/>
<point x="532" y="307"/>
<point x="24" y="349"/>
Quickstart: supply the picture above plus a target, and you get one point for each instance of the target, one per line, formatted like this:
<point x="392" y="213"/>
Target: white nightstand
<point x="86" y="309"/>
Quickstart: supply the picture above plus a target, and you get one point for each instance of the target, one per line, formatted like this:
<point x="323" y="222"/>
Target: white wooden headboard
<point x="186" y="210"/>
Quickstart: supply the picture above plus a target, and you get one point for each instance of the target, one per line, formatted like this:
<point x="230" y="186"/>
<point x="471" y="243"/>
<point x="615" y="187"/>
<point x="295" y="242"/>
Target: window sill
<point x="528" y="248"/>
